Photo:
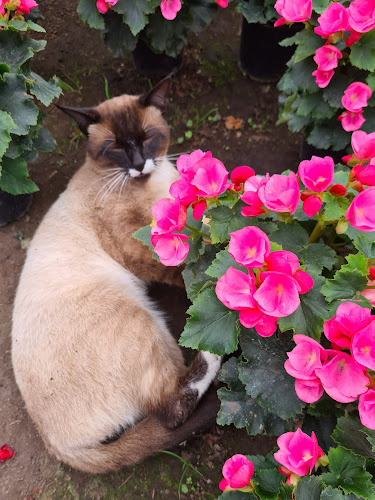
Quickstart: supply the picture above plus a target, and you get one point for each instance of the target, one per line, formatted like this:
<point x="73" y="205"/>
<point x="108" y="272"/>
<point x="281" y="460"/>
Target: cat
<point x="102" y="377"/>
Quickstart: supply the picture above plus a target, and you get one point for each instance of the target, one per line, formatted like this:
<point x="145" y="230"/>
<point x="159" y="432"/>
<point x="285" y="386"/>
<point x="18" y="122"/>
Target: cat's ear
<point x="84" y="117"/>
<point x="157" y="96"/>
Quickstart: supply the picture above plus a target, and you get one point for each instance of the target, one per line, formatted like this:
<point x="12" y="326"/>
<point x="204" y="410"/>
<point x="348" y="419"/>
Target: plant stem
<point x="196" y="232"/>
<point x="317" y="232"/>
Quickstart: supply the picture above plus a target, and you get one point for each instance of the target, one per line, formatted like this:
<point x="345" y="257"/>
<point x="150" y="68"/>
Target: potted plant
<point x="22" y="133"/>
<point x="280" y="273"/>
<point x="154" y="31"/>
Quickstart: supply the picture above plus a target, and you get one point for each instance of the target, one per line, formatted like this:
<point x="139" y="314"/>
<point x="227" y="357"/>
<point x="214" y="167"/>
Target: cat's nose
<point x="138" y="161"/>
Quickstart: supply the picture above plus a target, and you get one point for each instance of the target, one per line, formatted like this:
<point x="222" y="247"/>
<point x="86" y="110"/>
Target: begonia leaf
<point x="328" y="134"/>
<point x="350" y="434"/>
<point x="264" y="372"/>
<point x="223" y="261"/>
<point x="345" y="285"/>
<point x="347" y="471"/>
<point x="43" y="90"/>
<point x="194" y="274"/>
<point x="354" y="233"/>
<point x="307" y="44"/>
<point x="19" y="144"/>
<point x="144" y="235"/>
<point x="370" y="80"/>
<point x="291" y="237"/>
<point x="320" y="5"/>
<point x="25" y="26"/>
<point x="365" y="246"/>
<point x="117" y="35"/>
<point x="166" y="36"/>
<point x="310" y="315"/>
<point x="6" y="124"/>
<point x="16" y="50"/>
<point x="335" y="90"/>
<point x="211" y="327"/>
<point x="356" y="261"/>
<point x="88" y="13"/>
<point x="135" y="13"/>
<point x="15" y="177"/>
<point x="370" y="433"/>
<point x="316" y="256"/>
<point x="299" y="77"/>
<point x="308" y="488"/>
<point x="267" y="483"/>
<point x="323" y="426"/>
<point x="334" y="208"/>
<point x="201" y="13"/>
<point x="335" y="494"/>
<point x="256" y="11"/>
<point x="362" y="54"/>
<point x="237" y="495"/>
<point x="44" y="141"/>
<point x="241" y="410"/>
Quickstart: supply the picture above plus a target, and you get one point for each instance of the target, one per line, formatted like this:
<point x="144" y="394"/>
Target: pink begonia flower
<point x="172" y="249"/>
<point x="222" y="3"/>
<point x="333" y="20"/>
<point x="326" y="57"/>
<point x="363" y="145"/>
<point x="356" y="96"/>
<point x="369" y="293"/>
<point x="26" y="5"/>
<point x="170" y="215"/>
<point x="366" y="408"/>
<point x="342" y="377"/>
<point x="309" y="391"/>
<point x="351" y="121"/>
<point x="312" y="205"/>
<point x="251" y="196"/>
<point x="362" y="15"/>
<point x="239" y="175"/>
<point x="366" y="174"/>
<point x="235" y="289"/>
<point x="361" y="212"/>
<point x="198" y="209"/>
<point x="237" y="472"/>
<point x="264" y="325"/>
<point x="183" y="191"/>
<point x="277" y="295"/>
<point x="249" y="246"/>
<point x="372" y="273"/>
<point x="349" y="319"/>
<point x="211" y="178"/>
<point x="186" y="163"/>
<point x="280" y="193"/>
<point x="304" y="281"/>
<point x="293" y="11"/>
<point x="169" y="8"/>
<point x="337" y="190"/>
<point x="322" y="78"/>
<point x="317" y="173"/>
<point x="282" y="261"/>
<point x="298" y="452"/>
<point x="104" y="5"/>
<point x="363" y="346"/>
<point x="353" y="38"/>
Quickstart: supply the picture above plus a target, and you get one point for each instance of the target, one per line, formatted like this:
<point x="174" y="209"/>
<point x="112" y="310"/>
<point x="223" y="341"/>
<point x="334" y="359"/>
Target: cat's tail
<point x="146" y="438"/>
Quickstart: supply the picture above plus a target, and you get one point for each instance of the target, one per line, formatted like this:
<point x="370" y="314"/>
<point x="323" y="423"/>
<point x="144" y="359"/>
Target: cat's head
<point x="126" y="132"/>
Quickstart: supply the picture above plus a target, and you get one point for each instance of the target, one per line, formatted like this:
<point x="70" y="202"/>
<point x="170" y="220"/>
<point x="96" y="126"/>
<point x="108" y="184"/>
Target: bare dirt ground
<point x="209" y="80"/>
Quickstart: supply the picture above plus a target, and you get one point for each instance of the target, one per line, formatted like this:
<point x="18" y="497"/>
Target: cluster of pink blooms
<point x="273" y="292"/>
<point x="21" y="6"/>
<point x="342" y="375"/>
<point x="354" y="100"/>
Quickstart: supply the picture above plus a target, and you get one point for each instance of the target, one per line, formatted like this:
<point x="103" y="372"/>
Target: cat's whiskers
<point x="124" y="181"/>
<point x="111" y="174"/>
<point x="111" y="142"/>
<point x="108" y="184"/>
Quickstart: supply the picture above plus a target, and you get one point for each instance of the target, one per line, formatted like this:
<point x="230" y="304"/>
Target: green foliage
<point x="346" y="285"/>
<point x="350" y="434"/>
<point x="257" y="11"/>
<point x="308" y="488"/>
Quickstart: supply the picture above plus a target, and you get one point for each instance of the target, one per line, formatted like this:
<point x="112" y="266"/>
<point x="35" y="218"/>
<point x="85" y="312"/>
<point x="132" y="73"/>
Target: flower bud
<point x="341" y="227"/>
<point x="337" y="190"/>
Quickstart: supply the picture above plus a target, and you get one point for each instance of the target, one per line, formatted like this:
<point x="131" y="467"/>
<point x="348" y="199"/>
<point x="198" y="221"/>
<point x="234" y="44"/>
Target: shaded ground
<point x="207" y="89"/>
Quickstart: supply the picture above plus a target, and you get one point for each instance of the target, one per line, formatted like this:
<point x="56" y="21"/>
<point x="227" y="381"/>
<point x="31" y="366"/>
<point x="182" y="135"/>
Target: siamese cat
<point x="102" y="377"/>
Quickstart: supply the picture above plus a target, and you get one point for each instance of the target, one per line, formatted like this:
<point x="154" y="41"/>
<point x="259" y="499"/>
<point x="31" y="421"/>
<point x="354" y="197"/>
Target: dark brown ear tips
<point x="157" y="96"/>
<point x="84" y="117"/>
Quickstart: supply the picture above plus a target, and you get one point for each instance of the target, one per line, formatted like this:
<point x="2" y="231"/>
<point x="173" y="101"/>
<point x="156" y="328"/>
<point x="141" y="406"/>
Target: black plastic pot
<point x="12" y="207"/>
<point x="261" y="56"/>
<point x="148" y="63"/>
<point x="307" y="151"/>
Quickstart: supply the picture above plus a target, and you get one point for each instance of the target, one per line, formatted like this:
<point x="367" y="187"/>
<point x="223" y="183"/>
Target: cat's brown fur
<point x="102" y="378"/>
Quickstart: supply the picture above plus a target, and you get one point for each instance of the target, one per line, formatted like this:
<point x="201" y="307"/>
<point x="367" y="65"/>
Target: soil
<point x="208" y="88"/>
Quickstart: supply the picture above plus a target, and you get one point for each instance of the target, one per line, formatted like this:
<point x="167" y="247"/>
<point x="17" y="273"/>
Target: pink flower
<point x="251" y="196"/>
<point x="326" y="57"/>
<point x="283" y="262"/>
<point x="170" y="215"/>
<point x="239" y="175"/>
<point x="334" y="19"/>
<point x="337" y="190"/>
<point x="361" y="212"/>
<point x="172" y="249"/>
<point x="311" y="205"/>
<point x="277" y="295"/>
<point x="198" y="208"/>
<point x="362" y="15"/>
<point x="186" y="163"/>
<point x="280" y="193"/>
<point x="298" y="452"/>
<point x="322" y="78"/>
<point x="5" y="453"/>
<point x="235" y="289"/>
<point x="349" y="319"/>
<point x="342" y="377"/>
<point x="104" y="5"/>
<point x="169" y="8"/>
<point x="293" y="11"/>
<point x="356" y="96"/>
<point x="211" y="178"/>
<point x="363" y="145"/>
<point x="353" y="38"/>
<point x="366" y="408"/>
<point x="183" y="190"/>
<point x="363" y="346"/>
<point x="222" y="3"/>
<point x="249" y="246"/>
<point x="366" y="174"/>
<point x="351" y="121"/>
<point x="237" y="472"/>
<point x="369" y="293"/>
<point x="309" y="391"/>
<point x="254" y="318"/>
<point x="317" y="173"/>
<point x="26" y="5"/>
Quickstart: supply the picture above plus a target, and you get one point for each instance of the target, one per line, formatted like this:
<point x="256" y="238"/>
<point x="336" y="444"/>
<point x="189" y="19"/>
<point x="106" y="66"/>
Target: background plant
<point x="257" y="11"/>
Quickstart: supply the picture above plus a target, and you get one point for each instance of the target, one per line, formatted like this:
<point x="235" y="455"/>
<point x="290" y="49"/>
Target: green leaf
<point x="320" y="5"/>
<point x="144" y="235"/>
<point x="117" y="35"/>
<point x="308" y="319"/>
<point x="267" y="483"/>
<point x="237" y="495"/>
<point x="362" y="54"/>
<point x="349" y="433"/>
<point x="334" y="208"/>
<point x="316" y="256"/>
<point x="184" y="488"/>
<point x="16" y="50"/>
<point x="45" y="141"/>
<point x="19" y="144"/>
<point x="194" y="274"/>
<point x="292" y="237"/>
<point x="14" y="177"/>
<point x="314" y="105"/>
<point x="307" y="45"/>
<point x="348" y="473"/>
<point x="265" y="370"/>
<point x="308" y="488"/>
<point x="356" y="261"/>
<point x="355" y="233"/>
<point x="89" y="14"/>
<point x="335" y="494"/>
<point x="345" y="285"/>
<point x="299" y="77"/>
<point x="211" y="327"/>
<point x="135" y="13"/>
<point x="371" y="81"/>
<point x="323" y="426"/>
<point x="15" y="101"/>
<point x="241" y="410"/>
<point x="6" y="124"/>
<point x="370" y="433"/>
<point x="60" y="83"/>
<point x="365" y="246"/>
<point x="335" y="90"/>
<point x="328" y="134"/>
<point x="166" y="36"/>
<point x="44" y="91"/>
<point x="255" y="12"/>
<point x="25" y="26"/>
<point x="222" y="263"/>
